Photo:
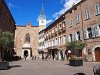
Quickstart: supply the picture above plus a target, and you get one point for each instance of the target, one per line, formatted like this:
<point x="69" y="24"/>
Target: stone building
<point x="27" y="37"/>
<point x="26" y="40"/>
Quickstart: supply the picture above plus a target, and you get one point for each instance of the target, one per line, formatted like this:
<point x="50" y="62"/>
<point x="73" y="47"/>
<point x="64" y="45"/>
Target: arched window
<point x="27" y="38"/>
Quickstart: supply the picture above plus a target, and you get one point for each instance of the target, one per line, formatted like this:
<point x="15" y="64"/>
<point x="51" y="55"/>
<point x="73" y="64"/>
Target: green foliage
<point x="6" y="42"/>
<point x="75" y="45"/>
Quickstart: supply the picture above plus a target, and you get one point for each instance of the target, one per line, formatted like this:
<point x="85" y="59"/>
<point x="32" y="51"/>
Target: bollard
<point x="96" y="70"/>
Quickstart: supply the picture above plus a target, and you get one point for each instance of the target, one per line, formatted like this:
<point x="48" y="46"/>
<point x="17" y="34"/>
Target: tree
<point x="6" y="44"/>
<point x="75" y="46"/>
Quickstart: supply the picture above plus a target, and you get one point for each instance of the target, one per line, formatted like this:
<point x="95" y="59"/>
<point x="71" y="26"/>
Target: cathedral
<point x="27" y="37"/>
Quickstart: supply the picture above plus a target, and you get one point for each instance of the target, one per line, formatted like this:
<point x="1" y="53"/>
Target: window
<point x="89" y="32"/>
<point x="77" y="36"/>
<point x="97" y="31"/>
<point x="56" y="28"/>
<point x="60" y="40"/>
<point x="70" y="37"/>
<point x="97" y="8"/>
<point x="93" y="31"/>
<point x="86" y="34"/>
<point x="87" y="14"/>
<point x="73" y="37"/>
<point x="63" y="22"/>
<point x="60" y="26"/>
<point x="27" y="38"/>
<point x="56" y="42"/>
<point x="77" y="18"/>
<point x="64" y="39"/>
<point x="70" y="23"/>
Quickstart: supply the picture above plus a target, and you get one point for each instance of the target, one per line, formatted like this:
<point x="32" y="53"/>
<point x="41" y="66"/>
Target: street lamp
<point x="69" y="51"/>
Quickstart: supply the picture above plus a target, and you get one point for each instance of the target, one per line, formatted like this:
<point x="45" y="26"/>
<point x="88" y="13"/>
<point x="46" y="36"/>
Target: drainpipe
<point x="82" y="23"/>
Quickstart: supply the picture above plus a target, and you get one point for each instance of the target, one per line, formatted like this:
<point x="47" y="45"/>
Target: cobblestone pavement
<point x="51" y="67"/>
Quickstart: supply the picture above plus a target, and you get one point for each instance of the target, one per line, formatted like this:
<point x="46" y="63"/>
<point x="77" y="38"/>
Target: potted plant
<point x="75" y="59"/>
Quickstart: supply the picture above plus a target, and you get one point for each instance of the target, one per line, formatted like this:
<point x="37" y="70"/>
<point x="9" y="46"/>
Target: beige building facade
<point x="26" y="40"/>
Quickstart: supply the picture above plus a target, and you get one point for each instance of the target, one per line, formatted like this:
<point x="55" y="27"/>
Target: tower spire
<point x="42" y="14"/>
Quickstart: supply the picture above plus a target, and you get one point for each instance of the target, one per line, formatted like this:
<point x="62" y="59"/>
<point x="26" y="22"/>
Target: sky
<point x="24" y="11"/>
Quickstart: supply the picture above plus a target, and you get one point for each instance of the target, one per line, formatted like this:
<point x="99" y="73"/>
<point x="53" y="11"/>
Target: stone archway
<point x="26" y="50"/>
<point x="97" y="54"/>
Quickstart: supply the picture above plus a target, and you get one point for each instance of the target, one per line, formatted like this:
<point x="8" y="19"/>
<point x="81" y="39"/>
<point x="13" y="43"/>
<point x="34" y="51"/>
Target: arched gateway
<point x="26" y="51"/>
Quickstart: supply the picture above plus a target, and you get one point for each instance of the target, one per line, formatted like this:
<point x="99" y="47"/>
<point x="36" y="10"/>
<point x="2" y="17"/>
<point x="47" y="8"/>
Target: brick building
<point x="7" y="22"/>
<point x="80" y="22"/>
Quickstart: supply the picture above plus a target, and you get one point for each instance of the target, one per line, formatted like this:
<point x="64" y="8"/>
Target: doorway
<point x="97" y="54"/>
<point x="25" y="53"/>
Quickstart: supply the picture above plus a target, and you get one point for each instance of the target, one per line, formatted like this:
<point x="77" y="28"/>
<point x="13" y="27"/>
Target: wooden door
<point x="97" y="54"/>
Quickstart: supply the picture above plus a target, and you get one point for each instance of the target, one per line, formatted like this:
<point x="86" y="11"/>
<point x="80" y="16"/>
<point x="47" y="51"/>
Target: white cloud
<point x="49" y="21"/>
<point x="11" y="5"/>
<point x="68" y="4"/>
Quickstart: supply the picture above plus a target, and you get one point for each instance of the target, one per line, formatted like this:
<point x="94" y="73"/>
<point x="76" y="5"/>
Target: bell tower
<point x="42" y="19"/>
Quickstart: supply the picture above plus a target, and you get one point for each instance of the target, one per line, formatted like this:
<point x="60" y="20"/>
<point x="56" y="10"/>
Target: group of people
<point x="34" y="57"/>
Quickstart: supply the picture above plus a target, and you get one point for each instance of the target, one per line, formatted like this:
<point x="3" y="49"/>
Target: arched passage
<point x="26" y="53"/>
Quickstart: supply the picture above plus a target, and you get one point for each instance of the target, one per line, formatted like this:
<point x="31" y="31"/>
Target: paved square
<point x="51" y="67"/>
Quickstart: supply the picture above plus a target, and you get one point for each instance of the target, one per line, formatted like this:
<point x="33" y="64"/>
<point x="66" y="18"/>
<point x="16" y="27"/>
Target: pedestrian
<point x="32" y="57"/>
<point x="35" y="57"/>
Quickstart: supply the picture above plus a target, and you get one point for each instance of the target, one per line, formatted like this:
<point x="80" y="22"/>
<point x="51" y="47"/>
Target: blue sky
<point x="29" y="10"/>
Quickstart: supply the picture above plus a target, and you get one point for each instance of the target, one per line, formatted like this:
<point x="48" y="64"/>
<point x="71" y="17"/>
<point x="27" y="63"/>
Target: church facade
<point x="27" y="37"/>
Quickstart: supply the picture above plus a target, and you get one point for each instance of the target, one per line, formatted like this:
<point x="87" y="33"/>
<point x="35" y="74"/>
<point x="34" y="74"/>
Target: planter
<point x="4" y="65"/>
<point x="76" y="62"/>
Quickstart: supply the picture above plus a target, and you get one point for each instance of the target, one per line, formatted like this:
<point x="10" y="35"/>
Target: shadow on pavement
<point x="14" y="66"/>
<point x="79" y="74"/>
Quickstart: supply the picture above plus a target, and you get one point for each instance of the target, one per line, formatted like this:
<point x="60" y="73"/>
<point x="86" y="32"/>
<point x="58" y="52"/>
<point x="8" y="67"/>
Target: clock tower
<point x="42" y="20"/>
